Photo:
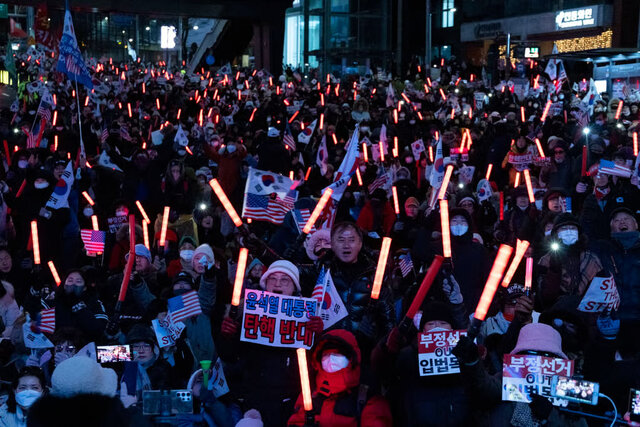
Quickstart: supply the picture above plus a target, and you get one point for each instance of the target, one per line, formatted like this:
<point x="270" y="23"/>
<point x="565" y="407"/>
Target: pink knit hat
<point x="539" y="337"/>
<point x="282" y="266"/>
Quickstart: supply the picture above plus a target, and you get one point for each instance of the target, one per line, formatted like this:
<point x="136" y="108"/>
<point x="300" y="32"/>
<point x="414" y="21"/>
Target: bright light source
<point x="147" y="28"/>
<point x="203" y="206"/>
<point x="555" y="246"/>
<point x="586" y="131"/>
<point x="167" y="37"/>
<point x="461" y="185"/>
<point x="123" y="31"/>
<point x="106" y="18"/>
<point x="195" y="27"/>
<point x="454" y="9"/>
<point x="130" y="40"/>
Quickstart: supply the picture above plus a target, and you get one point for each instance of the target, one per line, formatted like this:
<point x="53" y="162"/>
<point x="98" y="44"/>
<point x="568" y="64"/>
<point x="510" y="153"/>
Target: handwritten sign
<point x="115" y="222"/>
<point x="277" y="320"/>
<point x="602" y="295"/>
<point x="434" y="353"/>
<point x="524" y="375"/>
<point x="167" y="332"/>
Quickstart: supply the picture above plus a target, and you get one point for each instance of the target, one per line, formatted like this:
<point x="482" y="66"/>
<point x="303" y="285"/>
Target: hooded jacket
<point x="338" y="400"/>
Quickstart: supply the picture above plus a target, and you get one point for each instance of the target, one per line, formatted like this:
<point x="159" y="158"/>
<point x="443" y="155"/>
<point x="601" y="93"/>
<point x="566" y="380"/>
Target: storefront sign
<point x="490" y="30"/>
<point x="576" y="18"/>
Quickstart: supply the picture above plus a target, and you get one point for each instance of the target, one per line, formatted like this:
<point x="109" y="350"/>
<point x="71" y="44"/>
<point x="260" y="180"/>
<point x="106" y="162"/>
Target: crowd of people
<point x="547" y="163"/>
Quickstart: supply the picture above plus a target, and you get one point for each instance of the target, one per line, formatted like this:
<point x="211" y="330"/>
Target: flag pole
<point x="82" y="152"/>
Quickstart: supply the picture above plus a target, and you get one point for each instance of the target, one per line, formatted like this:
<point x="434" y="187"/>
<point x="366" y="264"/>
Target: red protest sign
<point x="434" y="352"/>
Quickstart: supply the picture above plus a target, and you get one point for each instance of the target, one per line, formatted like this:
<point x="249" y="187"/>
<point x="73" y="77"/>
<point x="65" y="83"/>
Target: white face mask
<point x="41" y="185"/>
<point x="88" y="211"/>
<point x="568" y="237"/>
<point x="231" y="149"/>
<point x="334" y="362"/>
<point x="547" y="232"/>
<point x="121" y="213"/>
<point x="26" y="398"/>
<point x="187" y="254"/>
<point x="539" y="204"/>
<point x="459" y="229"/>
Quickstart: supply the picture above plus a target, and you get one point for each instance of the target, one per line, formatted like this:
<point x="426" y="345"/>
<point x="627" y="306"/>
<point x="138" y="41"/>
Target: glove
<point x="315" y="324"/>
<point x="113" y="327"/>
<point x="581" y="187"/>
<point x="540" y="407"/>
<point x="289" y="252"/>
<point x="229" y="327"/>
<point x="398" y="226"/>
<point x="451" y="288"/>
<point x="466" y="351"/>
<point x="366" y="326"/>
<point x="79" y="306"/>
<point x="394" y="340"/>
<point x="608" y="326"/>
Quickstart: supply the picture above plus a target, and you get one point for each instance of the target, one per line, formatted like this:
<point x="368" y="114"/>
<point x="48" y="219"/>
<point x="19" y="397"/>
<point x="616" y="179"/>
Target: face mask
<point x="231" y="149"/>
<point x="539" y="204"/>
<point x="523" y="208"/>
<point x="364" y="129"/>
<point x="22" y="164"/>
<point x="180" y="291"/>
<point x="74" y="290"/>
<point x="561" y="96"/>
<point x="547" y="232"/>
<point x="26" y="398"/>
<point x="121" y="213"/>
<point x="568" y="237"/>
<point x="186" y="254"/>
<point x="413" y="122"/>
<point x="88" y="211"/>
<point x="599" y="122"/>
<point x="459" y="229"/>
<point x="41" y="185"/>
<point x="334" y="362"/>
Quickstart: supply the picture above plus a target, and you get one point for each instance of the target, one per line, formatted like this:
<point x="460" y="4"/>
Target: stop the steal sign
<point x="602" y="295"/>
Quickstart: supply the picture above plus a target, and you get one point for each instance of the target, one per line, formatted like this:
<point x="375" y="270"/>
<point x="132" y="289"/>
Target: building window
<point x="447" y="13"/>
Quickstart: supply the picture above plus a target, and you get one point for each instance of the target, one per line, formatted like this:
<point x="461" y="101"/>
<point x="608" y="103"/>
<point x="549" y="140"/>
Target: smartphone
<point x="113" y="353"/>
<point x="575" y="389"/>
<point x="167" y="402"/>
<point x="634" y="405"/>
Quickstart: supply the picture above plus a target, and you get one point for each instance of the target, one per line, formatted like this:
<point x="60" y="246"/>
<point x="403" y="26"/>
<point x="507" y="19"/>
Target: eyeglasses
<point x="138" y="347"/>
<point x="65" y="348"/>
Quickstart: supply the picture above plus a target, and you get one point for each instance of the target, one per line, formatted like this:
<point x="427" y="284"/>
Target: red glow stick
<point x="396" y="205"/>
<point x="142" y="211"/>
<point x="304" y="379"/>
<point x="517" y="180"/>
<point x="317" y="210"/>
<point x="94" y="222"/>
<point x="55" y="118"/>
<point x="253" y="114"/>
<point x="382" y="263"/>
<point x="130" y="261"/>
<point x="231" y="211"/>
<point x="335" y="139"/>
<point x="522" y="114"/>
<point x="359" y="177"/>
<point x="7" y="153"/>
<point x="35" y="242"/>
<point x="501" y="206"/>
<point x="240" y="269"/>
<point x="444" y="225"/>
<point x="88" y="197"/>
<point x="528" y="274"/>
<point x="445" y="182"/>
<point x="145" y="234"/>
<point x="619" y="110"/>
<point x="431" y="154"/>
<point x="539" y="148"/>
<point x="321" y="121"/>
<point x="444" y="97"/>
<point x="179" y="114"/>
<point x="306" y="175"/>
<point x="364" y="152"/>
<point x="395" y="146"/>
<point x="165" y="223"/>
<point x="583" y="172"/>
<point x="54" y="273"/>
<point x="489" y="169"/>
<point x="521" y="248"/>
<point x="432" y="272"/>
<point x="546" y="111"/>
<point x="490" y="287"/>
<point x="635" y="144"/>
<point x="129" y="109"/>
<point x="527" y="180"/>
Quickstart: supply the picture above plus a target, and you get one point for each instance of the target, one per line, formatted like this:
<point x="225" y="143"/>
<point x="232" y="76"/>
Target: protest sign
<point x="277" y="320"/>
<point x="520" y="161"/>
<point x="166" y="331"/>
<point x="602" y="295"/>
<point x="524" y="375"/>
<point x="115" y="222"/>
<point x="434" y="352"/>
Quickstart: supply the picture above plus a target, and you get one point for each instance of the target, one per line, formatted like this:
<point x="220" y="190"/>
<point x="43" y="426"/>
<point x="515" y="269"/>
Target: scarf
<point x="627" y="239"/>
<point x="600" y="193"/>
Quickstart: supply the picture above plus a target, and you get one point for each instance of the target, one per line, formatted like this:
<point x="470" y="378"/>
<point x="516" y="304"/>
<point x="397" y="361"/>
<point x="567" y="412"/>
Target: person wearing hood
<point x="272" y="391"/>
<point x="272" y="154"/>
<point x="597" y="208"/>
<point x="512" y="227"/>
<point x="620" y="255"/>
<point x="470" y="276"/>
<point x="405" y="229"/>
<point x="229" y="159"/>
<point x="27" y="388"/>
<point x="483" y="215"/>
<point x="568" y="267"/>
<point x="254" y="272"/>
<point x="339" y="398"/>
<point x="377" y="215"/>
<point x="560" y="172"/>
<point x="177" y="188"/>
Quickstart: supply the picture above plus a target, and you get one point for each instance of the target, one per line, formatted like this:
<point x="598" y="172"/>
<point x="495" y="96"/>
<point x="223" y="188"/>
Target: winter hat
<point x="206" y="250"/>
<point x="539" y="337"/>
<point x="83" y="375"/>
<point x="141" y="333"/>
<point x="285" y="267"/>
<point x="519" y="191"/>
<point x="141" y="250"/>
<point x="273" y="132"/>
<point x="252" y="418"/>
<point x="563" y="219"/>
<point x="311" y="241"/>
<point x="183" y="277"/>
<point x="435" y="310"/>
<point x="411" y="201"/>
<point x="255" y="262"/>
<point x="187" y="239"/>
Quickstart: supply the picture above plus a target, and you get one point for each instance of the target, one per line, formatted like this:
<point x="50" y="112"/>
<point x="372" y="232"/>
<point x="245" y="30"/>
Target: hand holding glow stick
<point x="521" y="249"/>
<point x="445" y="182"/>
<point x="240" y="269"/>
<point x="35" y="242"/>
<point x="165" y="223"/>
<point x="490" y="287"/>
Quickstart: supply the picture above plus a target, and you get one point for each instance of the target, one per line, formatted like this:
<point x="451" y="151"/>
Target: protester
<point x="28" y="387"/>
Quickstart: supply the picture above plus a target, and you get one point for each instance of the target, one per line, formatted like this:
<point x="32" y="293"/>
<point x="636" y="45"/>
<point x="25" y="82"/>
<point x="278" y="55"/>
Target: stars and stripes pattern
<point x="301" y="216"/>
<point x="406" y="264"/>
<point x="104" y="135"/>
<point x="184" y="306"/>
<point x="34" y="137"/>
<point x="268" y="207"/>
<point x="93" y="240"/>
<point x="48" y="320"/>
<point x="124" y="134"/>
<point x="288" y="138"/>
<point x="318" y="290"/>
<point x="611" y="168"/>
<point x="379" y="182"/>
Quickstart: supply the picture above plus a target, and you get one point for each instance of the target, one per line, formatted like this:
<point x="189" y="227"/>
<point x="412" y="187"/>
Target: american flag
<point x="301" y="216"/>
<point x="268" y="207"/>
<point x="380" y="181"/>
<point x="318" y="290"/>
<point x="44" y="110"/>
<point x="610" y="168"/>
<point x="105" y="134"/>
<point x="184" y="306"/>
<point x="93" y="240"/>
<point x="406" y="264"/>
<point x="34" y="137"/>
<point x="124" y="134"/>
<point x="48" y="320"/>
<point x="288" y="138"/>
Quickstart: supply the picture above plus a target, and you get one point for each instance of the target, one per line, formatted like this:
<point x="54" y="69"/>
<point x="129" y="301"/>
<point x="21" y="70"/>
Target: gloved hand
<point x="581" y="187"/>
<point x="113" y="326"/>
<point x="60" y="357"/>
<point x="540" y="407"/>
<point x="229" y="327"/>
<point x="466" y="351"/>
<point x="366" y="326"/>
<point x="398" y="226"/>
<point x="608" y="326"/>
<point x="289" y="252"/>
<point x="451" y="288"/>
<point x="394" y="340"/>
<point x="315" y="324"/>
<point x="524" y="308"/>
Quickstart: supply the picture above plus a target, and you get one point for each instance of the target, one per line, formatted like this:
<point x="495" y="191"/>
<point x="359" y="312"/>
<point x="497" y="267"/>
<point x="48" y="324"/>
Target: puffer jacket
<point x="339" y="400"/>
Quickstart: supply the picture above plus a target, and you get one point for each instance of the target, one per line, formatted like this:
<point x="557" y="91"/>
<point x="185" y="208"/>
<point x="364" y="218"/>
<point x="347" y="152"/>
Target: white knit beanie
<point x="203" y="249"/>
<point x="82" y="375"/>
<point x="285" y="267"/>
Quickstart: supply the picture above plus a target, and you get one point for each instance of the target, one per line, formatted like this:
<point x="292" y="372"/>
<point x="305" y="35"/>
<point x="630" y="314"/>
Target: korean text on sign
<point x="434" y="353"/>
<point x="523" y="376"/>
<point x="277" y="320"/>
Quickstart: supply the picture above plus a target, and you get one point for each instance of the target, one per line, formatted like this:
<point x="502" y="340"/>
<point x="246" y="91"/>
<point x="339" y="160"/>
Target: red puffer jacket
<point x="336" y="396"/>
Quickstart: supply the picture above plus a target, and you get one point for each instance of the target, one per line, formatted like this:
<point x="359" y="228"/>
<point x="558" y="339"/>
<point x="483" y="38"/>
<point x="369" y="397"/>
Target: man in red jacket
<point x="339" y="399"/>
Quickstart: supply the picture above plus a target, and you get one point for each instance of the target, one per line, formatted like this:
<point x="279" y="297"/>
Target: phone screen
<point x="113" y="353"/>
<point x="574" y="389"/>
<point x="634" y="404"/>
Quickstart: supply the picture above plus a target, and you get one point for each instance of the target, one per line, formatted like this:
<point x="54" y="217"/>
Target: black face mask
<point x="181" y="291"/>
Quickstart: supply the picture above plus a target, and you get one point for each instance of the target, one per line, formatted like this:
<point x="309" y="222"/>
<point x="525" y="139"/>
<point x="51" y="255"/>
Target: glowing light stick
<point x="304" y="379"/>
<point x="635" y="144"/>
<point x="317" y="210"/>
<point x="522" y="114"/>
<point x="539" y="148"/>
<point x="359" y="177"/>
<point x="88" y="197"/>
<point x="145" y="234"/>
<point x="527" y="180"/>
<point x="142" y="211"/>
<point x="364" y="152"/>
<point x="54" y="273"/>
<point x="546" y="111"/>
<point x="619" y="110"/>
<point x="445" y="182"/>
<point x="396" y="205"/>
<point x="35" y="242"/>
<point x="241" y="267"/>
<point x="490" y="287"/>
<point x="382" y="263"/>
<point x="444" y="225"/>
<point x="231" y="211"/>
<point x="165" y="223"/>
<point x="130" y="262"/>
<point x="528" y="274"/>
<point x="521" y="248"/>
<point x="94" y="222"/>
<point x="432" y="272"/>
<point x="516" y="183"/>
<point x="489" y="169"/>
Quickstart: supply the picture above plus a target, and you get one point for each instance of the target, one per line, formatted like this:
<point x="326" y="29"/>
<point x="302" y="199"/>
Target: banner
<point x="602" y="295"/>
<point x="434" y="353"/>
<point x="525" y="375"/>
<point x="277" y="320"/>
<point x="520" y="161"/>
<point x="167" y="332"/>
<point x="115" y="222"/>
<point x="70" y="60"/>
